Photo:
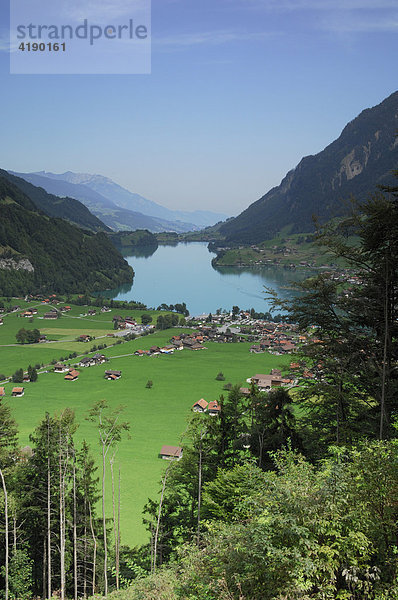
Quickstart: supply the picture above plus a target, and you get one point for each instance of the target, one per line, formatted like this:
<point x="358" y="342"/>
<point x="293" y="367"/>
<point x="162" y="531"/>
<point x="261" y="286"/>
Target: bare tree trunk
<point x="95" y="548"/>
<point x="383" y="379"/>
<point x="43" y="594"/>
<point x="49" y="590"/>
<point x="6" y="532"/>
<point x="14" y="521"/>
<point x="85" y="550"/>
<point x="118" y="535"/>
<point x="74" y="529"/>
<point x="104" y="523"/>
<point x="63" y="461"/>
<point x="111" y="462"/>
<point x="155" y="545"/>
<point x="199" y="489"/>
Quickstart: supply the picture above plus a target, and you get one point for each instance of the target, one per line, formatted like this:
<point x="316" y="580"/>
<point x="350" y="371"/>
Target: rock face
<point x="362" y="157"/>
<point x="10" y="264"/>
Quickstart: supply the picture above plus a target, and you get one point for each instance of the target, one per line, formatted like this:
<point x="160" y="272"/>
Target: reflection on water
<point x="138" y="251"/>
<point x="183" y="273"/>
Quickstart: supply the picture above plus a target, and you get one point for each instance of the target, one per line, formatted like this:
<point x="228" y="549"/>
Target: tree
<point x="18" y="376"/>
<point x="149" y="384"/>
<point x="357" y="328"/>
<point x="273" y="426"/>
<point x="146" y="319"/>
<point x="110" y="431"/>
<point x="32" y="373"/>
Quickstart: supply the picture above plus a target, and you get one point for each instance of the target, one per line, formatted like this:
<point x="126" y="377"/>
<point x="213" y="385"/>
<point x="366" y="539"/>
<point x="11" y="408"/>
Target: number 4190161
<point x="42" y="47"/>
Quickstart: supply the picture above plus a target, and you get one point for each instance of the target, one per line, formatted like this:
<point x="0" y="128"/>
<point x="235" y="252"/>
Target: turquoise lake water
<point x="183" y="273"/>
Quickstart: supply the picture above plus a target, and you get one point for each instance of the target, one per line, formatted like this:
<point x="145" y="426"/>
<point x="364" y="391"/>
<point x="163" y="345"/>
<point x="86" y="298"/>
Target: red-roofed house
<point x="200" y="406"/>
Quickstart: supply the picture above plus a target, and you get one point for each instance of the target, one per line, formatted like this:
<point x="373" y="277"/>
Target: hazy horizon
<point x="240" y="91"/>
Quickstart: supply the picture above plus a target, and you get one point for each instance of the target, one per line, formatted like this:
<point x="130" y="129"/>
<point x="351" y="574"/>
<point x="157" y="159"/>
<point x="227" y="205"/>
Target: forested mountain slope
<point x="40" y="253"/>
<point x="362" y="157"/>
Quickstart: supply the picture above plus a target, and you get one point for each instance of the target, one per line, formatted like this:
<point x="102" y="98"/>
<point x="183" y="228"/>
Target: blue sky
<point x="240" y="91"/>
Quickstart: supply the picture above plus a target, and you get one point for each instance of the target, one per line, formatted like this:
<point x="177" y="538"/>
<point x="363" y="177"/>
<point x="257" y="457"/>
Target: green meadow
<point x="157" y="416"/>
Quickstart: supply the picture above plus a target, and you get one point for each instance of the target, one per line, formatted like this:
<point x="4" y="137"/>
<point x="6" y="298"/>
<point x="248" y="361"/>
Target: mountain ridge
<point x="40" y="253"/>
<point x="362" y="157"/>
<point x="109" y="191"/>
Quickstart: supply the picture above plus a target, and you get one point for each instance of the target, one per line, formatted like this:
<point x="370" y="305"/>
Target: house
<point x="83" y="338"/>
<point x="50" y="315"/>
<point x="1" y="321"/>
<point x="26" y="453"/>
<point x="92" y="312"/>
<point x="60" y="368"/>
<point x="43" y="338"/>
<point x="99" y="359"/>
<point x="171" y="452"/>
<point x="200" y="406"/>
<point x="87" y="361"/>
<point x="154" y="349"/>
<point x="140" y="352"/>
<point x="113" y="375"/>
<point x="130" y="322"/>
<point x="72" y="375"/>
<point x="276" y="372"/>
<point x="265" y="382"/>
<point x="2" y="392"/>
<point x="213" y="408"/>
<point x="17" y="392"/>
<point x="167" y="350"/>
<point x="244" y="391"/>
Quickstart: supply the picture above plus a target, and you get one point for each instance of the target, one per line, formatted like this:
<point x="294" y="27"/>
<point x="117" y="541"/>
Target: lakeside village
<point x="237" y="326"/>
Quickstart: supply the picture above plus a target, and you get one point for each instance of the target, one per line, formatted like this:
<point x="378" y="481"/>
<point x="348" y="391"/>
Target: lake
<point x="183" y="273"/>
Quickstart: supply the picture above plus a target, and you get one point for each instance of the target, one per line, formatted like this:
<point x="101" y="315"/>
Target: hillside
<point x="116" y="218"/>
<point x="353" y="165"/>
<point x="123" y="198"/>
<point x="39" y="253"/>
<point x="66" y="208"/>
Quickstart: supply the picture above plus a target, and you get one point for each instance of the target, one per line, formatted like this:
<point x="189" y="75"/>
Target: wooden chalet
<point x="171" y="452"/>
<point x="17" y="392"/>
<point x="72" y="375"/>
<point x="213" y="408"/>
<point x="200" y="406"/>
<point x="60" y="368"/>
<point x="87" y="361"/>
<point x="113" y="375"/>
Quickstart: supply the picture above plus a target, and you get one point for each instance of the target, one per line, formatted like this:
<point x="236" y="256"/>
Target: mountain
<point x="116" y="218"/>
<point x="65" y="208"/>
<point x="353" y="165"/>
<point x="39" y="253"/>
<point x="123" y="198"/>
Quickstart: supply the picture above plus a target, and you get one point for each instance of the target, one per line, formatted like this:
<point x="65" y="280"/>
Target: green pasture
<point x="61" y="333"/>
<point x="157" y="416"/>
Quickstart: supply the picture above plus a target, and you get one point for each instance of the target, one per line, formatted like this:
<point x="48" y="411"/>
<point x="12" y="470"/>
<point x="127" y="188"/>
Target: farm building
<point x="200" y="406"/>
<point x="72" y="375"/>
<point x="17" y="392"/>
<point x="2" y="392"/>
<point x="214" y="408"/>
<point x="113" y="375"/>
<point x="171" y="452"/>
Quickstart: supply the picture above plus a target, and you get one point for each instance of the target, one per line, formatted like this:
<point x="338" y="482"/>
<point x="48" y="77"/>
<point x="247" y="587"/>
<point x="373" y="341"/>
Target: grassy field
<point x="61" y="333"/>
<point x="157" y="416"/>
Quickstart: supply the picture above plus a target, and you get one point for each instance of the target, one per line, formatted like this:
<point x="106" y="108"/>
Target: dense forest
<point x="62" y="258"/>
